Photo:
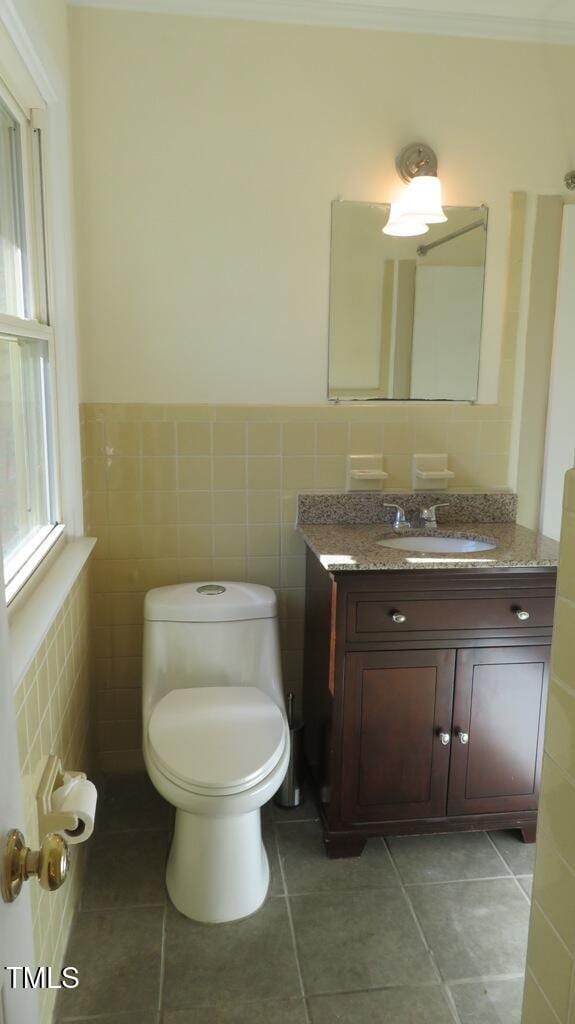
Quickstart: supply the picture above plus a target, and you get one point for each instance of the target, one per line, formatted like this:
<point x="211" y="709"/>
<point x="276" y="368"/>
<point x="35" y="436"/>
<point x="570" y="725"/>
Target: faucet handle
<point x="428" y="515"/>
<point x="400" y="519"/>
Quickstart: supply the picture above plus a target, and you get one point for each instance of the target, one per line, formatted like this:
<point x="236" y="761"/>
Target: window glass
<point x="26" y="477"/>
<point x="13" y="255"/>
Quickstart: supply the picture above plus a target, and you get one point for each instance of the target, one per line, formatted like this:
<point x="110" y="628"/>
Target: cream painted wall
<point x="208" y="153"/>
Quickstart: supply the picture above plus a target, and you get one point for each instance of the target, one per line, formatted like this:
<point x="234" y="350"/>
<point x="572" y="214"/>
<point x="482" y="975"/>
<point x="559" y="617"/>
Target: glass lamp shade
<point x="403" y="225"/>
<point x="422" y="200"/>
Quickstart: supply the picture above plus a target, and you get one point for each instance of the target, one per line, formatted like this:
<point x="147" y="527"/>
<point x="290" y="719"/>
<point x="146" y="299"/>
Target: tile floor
<point x="419" y="930"/>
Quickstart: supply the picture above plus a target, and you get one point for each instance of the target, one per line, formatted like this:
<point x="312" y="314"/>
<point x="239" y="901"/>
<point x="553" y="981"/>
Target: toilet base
<point x="218" y="868"/>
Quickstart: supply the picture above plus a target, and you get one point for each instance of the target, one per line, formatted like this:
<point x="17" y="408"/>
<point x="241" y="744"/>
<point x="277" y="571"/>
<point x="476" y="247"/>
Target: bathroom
<point x="180" y="184"/>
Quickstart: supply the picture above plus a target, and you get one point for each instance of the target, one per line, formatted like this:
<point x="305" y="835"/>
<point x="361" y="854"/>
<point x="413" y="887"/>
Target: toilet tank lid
<point x="210" y="601"/>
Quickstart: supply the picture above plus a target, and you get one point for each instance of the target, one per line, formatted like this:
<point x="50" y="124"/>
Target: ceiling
<point x="551" y="21"/>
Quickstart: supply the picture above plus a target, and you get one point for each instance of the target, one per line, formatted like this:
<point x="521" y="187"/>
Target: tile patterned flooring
<point x="419" y="930"/>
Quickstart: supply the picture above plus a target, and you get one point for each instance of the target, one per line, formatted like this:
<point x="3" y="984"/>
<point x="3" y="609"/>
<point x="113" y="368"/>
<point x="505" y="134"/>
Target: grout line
<point x="487" y="978"/>
<point x="458" y="881"/>
<point x="120" y="908"/>
<point x="543" y="996"/>
<point x="453" y="1011"/>
<point x="162" y="962"/>
<point x="513" y="875"/>
<point x="292" y="930"/>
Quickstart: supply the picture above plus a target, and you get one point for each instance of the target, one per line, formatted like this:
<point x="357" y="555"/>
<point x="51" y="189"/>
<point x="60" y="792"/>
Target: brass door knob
<point x="49" y="864"/>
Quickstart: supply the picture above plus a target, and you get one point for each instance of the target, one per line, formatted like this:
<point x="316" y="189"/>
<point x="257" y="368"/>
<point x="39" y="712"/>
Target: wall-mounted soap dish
<point x="430" y="472"/>
<point x="364" y="473"/>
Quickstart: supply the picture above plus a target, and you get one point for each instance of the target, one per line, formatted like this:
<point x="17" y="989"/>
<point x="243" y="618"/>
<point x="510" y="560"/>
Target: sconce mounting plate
<point x="417" y="158"/>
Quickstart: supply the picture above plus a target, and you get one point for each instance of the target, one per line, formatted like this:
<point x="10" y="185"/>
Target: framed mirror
<point x="405" y="313"/>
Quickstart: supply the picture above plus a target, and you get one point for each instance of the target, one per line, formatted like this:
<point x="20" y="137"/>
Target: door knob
<point x="398" y="617"/>
<point x="49" y="864"/>
<point x="463" y="737"/>
<point x="521" y="615"/>
<point x="445" y="738"/>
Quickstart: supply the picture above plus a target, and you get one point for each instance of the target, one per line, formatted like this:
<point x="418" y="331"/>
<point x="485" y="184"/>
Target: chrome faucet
<point x="428" y="515"/>
<point x="400" y="522"/>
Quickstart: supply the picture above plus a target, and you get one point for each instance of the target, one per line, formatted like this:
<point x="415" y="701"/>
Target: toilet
<point x="215" y="738"/>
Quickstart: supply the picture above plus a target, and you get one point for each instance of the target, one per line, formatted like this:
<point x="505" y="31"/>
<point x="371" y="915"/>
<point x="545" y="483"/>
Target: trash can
<point x="290" y="792"/>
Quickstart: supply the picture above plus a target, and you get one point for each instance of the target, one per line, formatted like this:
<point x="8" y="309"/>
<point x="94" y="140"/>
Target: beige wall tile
<point x="536" y="1009"/>
<point x="560" y="727"/>
<point x="557" y="810"/>
<point x="229" y="473"/>
<point x="230" y="541"/>
<point x="196" y="540"/>
<point x="123" y="474"/>
<point x="197" y="506"/>
<point x="159" y="507"/>
<point x="564" y="631"/>
<point x="556" y="890"/>
<point x="123" y="438"/>
<point x="158" y="438"/>
<point x="332" y="438"/>
<point x="194" y="438"/>
<point x="263" y="439"/>
<point x="229" y="438"/>
<point x="298" y="438"/>
<point x="158" y="474"/>
<point x="550" y="962"/>
<point x="124" y="507"/>
<point x="298" y="473"/>
<point x="195" y="473"/>
<point x="264" y="473"/>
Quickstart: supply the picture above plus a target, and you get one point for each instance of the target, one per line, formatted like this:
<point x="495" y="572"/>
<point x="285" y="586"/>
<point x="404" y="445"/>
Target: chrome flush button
<point x="211" y="589"/>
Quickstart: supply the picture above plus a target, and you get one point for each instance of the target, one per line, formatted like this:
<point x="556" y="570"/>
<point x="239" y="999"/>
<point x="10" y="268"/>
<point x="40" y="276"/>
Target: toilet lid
<point x="217" y="737"/>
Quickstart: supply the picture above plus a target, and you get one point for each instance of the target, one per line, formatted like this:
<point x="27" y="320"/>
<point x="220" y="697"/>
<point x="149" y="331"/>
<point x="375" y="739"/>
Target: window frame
<point x="38" y="302"/>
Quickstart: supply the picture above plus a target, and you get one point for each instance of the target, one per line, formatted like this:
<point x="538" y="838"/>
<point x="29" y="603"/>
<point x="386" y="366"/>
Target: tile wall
<point x="53" y="716"/>
<point x="177" y="493"/>
<point x="550" y="982"/>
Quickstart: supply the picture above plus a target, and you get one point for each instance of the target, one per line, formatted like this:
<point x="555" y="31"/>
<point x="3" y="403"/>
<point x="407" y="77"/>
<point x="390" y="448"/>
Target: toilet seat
<point x="217" y="740"/>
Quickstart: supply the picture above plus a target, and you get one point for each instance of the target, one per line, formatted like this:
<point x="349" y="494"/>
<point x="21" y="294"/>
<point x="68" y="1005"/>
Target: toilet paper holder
<point x="49" y="819"/>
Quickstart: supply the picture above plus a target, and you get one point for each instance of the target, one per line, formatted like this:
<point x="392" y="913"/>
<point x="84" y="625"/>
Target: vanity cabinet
<point x="424" y="699"/>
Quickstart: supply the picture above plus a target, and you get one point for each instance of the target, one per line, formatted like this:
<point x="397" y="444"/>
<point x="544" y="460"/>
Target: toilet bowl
<point x="215" y="738"/>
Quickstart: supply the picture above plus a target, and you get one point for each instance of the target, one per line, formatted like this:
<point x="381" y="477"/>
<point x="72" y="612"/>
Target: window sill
<point x="34" y="562"/>
<point x="32" y="619"/>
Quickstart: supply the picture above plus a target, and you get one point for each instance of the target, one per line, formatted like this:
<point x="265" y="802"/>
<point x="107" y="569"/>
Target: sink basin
<point x="438" y="545"/>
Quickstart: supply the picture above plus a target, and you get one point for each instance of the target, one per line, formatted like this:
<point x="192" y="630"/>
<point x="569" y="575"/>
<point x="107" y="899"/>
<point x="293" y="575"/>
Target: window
<point x="28" y="496"/>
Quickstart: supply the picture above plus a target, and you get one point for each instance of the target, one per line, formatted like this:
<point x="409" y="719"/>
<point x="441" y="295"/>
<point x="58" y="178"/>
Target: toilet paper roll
<point x="77" y="797"/>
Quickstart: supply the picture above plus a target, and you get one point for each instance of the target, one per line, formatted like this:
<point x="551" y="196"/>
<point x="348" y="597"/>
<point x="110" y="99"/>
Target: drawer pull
<point x="463" y="737"/>
<point x="521" y="615"/>
<point x="445" y="738"/>
<point x="398" y="617"/>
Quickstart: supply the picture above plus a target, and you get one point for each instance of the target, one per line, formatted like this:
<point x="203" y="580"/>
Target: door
<point x="397" y="718"/>
<point x="498" y="722"/>
<point x="18" y="1006"/>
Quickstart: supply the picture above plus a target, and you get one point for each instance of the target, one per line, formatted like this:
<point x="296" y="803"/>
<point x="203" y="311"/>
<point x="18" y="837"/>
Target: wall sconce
<point x="420" y="203"/>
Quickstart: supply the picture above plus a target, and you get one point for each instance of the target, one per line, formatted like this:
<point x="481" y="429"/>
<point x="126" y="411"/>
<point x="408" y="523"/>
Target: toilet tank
<point x="210" y="634"/>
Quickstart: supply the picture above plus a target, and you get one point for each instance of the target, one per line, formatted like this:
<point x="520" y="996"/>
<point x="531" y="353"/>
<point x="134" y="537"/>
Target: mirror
<point x="405" y="313"/>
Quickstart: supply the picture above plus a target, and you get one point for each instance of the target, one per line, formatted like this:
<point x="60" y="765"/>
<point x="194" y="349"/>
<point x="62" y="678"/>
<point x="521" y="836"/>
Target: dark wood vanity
<point x="424" y="699"/>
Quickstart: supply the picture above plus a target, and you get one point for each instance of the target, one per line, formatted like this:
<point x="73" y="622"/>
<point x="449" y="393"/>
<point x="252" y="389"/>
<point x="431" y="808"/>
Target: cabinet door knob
<point x="463" y="737"/>
<point x="398" y="617"/>
<point x="521" y="615"/>
<point x="445" y="738"/>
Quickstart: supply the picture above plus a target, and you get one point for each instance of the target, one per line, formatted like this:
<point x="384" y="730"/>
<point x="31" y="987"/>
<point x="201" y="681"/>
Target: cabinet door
<point x="498" y="722"/>
<point x="397" y="706"/>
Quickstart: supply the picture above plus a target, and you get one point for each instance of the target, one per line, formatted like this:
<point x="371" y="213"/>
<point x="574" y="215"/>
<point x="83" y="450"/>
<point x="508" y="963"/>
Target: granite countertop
<point x="353" y="548"/>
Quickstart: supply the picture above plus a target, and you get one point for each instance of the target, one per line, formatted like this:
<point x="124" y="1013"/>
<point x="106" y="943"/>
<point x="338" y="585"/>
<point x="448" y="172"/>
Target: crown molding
<point x="356" y="14"/>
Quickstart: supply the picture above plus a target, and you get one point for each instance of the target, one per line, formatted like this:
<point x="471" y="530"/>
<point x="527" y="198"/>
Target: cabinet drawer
<point x="373" y="616"/>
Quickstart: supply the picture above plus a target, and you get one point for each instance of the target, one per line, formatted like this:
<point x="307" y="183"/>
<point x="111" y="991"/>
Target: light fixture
<point x="399" y="224"/>
<point x="420" y="203"/>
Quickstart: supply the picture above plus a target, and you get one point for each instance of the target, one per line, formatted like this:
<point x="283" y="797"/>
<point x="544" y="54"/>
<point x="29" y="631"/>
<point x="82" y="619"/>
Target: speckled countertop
<point x="347" y="548"/>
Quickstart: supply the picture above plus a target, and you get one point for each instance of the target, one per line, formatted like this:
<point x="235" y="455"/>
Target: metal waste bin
<point x="290" y="792"/>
